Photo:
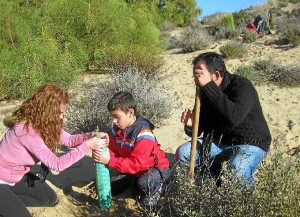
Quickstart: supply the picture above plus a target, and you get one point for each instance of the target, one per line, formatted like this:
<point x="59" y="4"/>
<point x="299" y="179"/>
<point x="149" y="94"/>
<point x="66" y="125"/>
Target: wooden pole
<point x="195" y="133"/>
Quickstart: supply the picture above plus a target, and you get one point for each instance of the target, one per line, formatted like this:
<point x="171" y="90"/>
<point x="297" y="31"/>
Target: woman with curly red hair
<point x="35" y="134"/>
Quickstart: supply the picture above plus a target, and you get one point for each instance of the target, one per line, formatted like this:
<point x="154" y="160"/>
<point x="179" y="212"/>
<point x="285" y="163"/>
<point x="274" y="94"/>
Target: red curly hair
<point x="42" y="111"/>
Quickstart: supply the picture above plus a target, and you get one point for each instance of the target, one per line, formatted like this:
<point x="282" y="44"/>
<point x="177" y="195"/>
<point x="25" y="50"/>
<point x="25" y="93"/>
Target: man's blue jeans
<point x="243" y="158"/>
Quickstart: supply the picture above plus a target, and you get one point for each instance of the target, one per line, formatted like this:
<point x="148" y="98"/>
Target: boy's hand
<point x="101" y="156"/>
<point x="187" y="117"/>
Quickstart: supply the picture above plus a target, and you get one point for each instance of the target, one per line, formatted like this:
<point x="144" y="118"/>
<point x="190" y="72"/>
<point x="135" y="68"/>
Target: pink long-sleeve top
<point x="20" y="150"/>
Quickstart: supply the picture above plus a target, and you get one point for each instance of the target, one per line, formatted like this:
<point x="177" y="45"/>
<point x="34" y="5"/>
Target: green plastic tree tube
<point x="103" y="185"/>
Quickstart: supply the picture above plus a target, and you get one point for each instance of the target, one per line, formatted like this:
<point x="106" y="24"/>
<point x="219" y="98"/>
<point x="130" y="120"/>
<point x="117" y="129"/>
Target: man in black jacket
<point x="231" y="115"/>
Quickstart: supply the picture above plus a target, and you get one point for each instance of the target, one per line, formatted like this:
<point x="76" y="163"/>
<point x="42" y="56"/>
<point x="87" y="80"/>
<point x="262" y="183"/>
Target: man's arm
<point x="231" y="108"/>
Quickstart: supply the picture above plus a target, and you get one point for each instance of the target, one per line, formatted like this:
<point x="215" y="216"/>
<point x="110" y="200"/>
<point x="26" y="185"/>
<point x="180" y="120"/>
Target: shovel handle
<point x="195" y="133"/>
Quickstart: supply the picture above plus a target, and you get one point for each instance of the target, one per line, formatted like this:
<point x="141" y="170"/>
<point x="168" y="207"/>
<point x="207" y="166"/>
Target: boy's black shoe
<point x="152" y="200"/>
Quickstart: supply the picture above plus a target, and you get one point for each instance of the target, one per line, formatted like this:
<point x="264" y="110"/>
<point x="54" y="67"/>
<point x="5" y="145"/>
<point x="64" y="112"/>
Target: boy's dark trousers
<point x="147" y="184"/>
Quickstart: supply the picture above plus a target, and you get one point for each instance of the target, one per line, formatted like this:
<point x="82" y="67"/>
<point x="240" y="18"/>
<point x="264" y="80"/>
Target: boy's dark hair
<point x="214" y="62"/>
<point x="123" y="100"/>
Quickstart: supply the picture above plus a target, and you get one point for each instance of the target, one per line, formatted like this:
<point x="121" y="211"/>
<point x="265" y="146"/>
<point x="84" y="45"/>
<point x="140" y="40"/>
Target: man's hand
<point x="187" y="117"/>
<point x="202" y="76"/>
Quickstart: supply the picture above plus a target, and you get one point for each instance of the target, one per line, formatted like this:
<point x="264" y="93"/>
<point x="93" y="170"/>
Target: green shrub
<point x="282" y="4"/>
<point x="268" y="71"/>
<point x="167" y="26"/>
<point x="180" y="12"/>
<point x="291" y="31"/>
<point x="227" y="33"/>
<point x="39" y="45"/>
<point x="174" y="42"/>
<point x="241" y="18"/>
<point x="293" y="1"/>
<point x="262" y="64"/>
<point x="194" y="200"/>
<point x="295" y="40"/>
<point x="146" y="62"/>
<point x="233" y="50"/>
<point x="275" y="193"/>
<point x="246" y="71"/>
<point x="195" y="39"/>
<point x="277" y="190"/>
<point x="214" y="20"/>
<point x="296" y="12"/>
<point x="249" y="36"/>
<point x="222" y="26"/>
<point x="89" y="111"/>
<point x="228" y="21"/>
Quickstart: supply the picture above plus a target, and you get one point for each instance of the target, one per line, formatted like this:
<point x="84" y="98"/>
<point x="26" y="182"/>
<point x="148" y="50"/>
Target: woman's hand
<point x="96" y="143"/>
<point x="187" y="117"/>
<point x="101" y="156"/>
<point x="104" y="136"/>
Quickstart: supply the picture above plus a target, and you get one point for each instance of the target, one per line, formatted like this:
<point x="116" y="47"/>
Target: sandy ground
<point x="280" y="105"/>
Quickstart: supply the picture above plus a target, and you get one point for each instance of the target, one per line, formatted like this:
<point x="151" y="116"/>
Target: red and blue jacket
<point x="135" y="149"/>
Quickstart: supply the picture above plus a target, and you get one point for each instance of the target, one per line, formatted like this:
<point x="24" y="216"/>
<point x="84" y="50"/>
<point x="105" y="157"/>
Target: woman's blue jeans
<point x="244" y="159"/>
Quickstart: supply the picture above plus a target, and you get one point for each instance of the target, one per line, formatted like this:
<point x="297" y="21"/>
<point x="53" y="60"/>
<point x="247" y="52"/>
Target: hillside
<point x="280" y="106"/>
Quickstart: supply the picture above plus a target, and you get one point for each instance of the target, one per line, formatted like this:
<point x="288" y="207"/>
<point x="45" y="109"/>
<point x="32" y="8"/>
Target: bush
<point x="282" y="4"/>
<point x="143" y="60"/>
<point x="262" y="64"/>
<point x="194" y="200"/>
<point x="296" y="12"/>
<point x="291" y="31"/>
<point x="246" y="71"/>
<point x="179" y="12"/>
<point x="173" y="42"/>
<point x="275" y="193"/>
<point x="277" y="190"/>
<point x="195" y="39"/>
<point x="249" y="36"/>
<point x="277" y="74"/>
<point x="39" y="45"/>
<point x="213" y="20"/>
<point x="89" y="111"/>
<point x="228" y="21"/>
<point x="167" y="26"/>
<point x="226" y="33"/>
<point x="32" y="53"/>
<point x="222" y="26"/>
<point x="294" y="40"/>
<point x="293" y="1"/>
<point x="241" y="18"/>
<point x="233" y="50"/>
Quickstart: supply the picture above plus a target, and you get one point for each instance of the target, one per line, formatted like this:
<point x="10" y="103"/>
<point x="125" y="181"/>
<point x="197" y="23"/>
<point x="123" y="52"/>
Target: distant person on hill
<point x="134" y="151"/>
<point x="231" y="115"/>
<point x="261" y="25"/>
<point x="34" y="135"/>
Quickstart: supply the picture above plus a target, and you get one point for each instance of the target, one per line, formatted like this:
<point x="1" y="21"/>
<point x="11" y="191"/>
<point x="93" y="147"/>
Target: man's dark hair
<point x="214" y="62"/>
<point x="123" y="100"/>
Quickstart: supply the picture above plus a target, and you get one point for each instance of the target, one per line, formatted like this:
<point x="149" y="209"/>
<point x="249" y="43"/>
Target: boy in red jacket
<point x="133" y="150"/>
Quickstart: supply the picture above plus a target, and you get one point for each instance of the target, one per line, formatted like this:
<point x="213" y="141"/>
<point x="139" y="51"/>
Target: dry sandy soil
<point x="75" y="186"/>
